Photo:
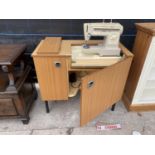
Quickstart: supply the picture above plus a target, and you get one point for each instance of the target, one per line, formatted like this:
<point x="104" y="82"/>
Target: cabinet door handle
<point x="90" y="84"/>
<point x="57" y="64"/>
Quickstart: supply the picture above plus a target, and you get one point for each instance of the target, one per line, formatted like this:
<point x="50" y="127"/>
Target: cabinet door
<point x="101" y="89"/>
<point x="52" y="76"/>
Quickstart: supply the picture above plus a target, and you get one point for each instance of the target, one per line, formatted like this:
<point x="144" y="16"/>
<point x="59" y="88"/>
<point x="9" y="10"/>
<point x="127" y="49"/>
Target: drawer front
<point x="7" y="107"/>
<point x="52" y="75"/>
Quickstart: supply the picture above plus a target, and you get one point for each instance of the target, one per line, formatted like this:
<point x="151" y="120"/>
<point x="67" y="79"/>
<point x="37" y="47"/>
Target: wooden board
<point x="137" y="107"/>
<point x="65" y="48"/>
<point x="7" y="107"/>
<point x="140" y="50"/>
<point x="107" y="89"/>
<point x="146" y="27"/>
<point x="3" y="81"/>
<point x="53" y="81"/>
<point x="51" y="45"/>
<point x="10" y="52"/>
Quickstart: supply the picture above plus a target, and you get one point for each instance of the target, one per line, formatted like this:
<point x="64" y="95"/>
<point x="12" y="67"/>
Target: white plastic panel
<point x="148" y="96"/>
<point x="152" y="74"/>
<point x="142" y="93"/>
<point x="150" y="84"/>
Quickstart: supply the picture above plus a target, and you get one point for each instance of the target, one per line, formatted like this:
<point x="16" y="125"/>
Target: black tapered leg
<point x="47" y="107"/>
<point x="113" y="107"/>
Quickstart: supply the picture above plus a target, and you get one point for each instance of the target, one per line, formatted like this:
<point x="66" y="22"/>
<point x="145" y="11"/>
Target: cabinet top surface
<point x="146" y="27"/>
<point x="51" y="46"/>
<point x="10" y="52"/>
<point x="65" y="48"/>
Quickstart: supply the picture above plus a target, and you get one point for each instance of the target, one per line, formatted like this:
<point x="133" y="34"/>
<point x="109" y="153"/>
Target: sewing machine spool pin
<point x="86" y="46"/>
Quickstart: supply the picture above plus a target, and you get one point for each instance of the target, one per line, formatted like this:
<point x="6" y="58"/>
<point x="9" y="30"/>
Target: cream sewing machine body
<point x="111" y="33"/>
<point x="104" y="54"/>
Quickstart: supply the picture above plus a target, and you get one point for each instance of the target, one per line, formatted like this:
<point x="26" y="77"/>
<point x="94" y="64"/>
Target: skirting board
<point x="137" y="107"/>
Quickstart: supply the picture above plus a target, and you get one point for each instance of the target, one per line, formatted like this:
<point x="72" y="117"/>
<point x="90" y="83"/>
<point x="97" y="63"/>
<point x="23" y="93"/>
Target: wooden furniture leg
<point x="33" y="98"/>
<point x="8" y="70"/>
<point x="26" y="120"/>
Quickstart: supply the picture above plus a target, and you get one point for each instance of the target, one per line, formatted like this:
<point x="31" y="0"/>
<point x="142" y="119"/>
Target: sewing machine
<point x="105" y="53"/>
<point x="111" y="33"/>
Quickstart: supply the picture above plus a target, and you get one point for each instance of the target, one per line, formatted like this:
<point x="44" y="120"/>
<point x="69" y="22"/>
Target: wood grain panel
<point x="142" y="107"/>
<point x="107" y="89"/>
<point x="65" y="48"/>
<point x="7" y="107"/>
<point x="146" y="27"/>
<point x="141" y="46"/>
<point x="10" y="52"/>
<point x="51" y="45"/>
<point x="53" y="81"/>
<point x="137" y="107"/>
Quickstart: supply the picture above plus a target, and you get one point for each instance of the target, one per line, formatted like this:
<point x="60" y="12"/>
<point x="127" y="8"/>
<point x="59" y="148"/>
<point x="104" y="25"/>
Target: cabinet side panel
<point x="140" y="49"/>
<point x="43" y="74"/>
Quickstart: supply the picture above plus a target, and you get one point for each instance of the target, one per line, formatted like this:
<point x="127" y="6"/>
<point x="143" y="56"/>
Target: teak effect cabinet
<point x="100" y="88"/>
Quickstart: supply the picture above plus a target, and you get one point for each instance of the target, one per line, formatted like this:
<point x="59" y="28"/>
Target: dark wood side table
<point x="16" y="94"/>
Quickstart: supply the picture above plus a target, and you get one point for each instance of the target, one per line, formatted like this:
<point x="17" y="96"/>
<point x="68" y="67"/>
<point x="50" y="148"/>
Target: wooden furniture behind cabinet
<point x="16" y="94"/>
<point x="140" y="88"/>
<point x="100" y="87"/>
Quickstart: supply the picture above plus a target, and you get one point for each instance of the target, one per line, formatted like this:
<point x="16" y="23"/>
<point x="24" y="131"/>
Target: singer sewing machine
<point x="103" y="54"/>
<point x="111" y="33"/>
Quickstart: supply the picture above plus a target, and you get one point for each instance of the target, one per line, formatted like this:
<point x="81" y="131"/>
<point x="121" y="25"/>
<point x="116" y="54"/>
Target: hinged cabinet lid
<point x="51" y="45"/>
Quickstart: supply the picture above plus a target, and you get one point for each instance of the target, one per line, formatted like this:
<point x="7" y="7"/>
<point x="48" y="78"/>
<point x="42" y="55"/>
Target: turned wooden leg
<point x="113" y="107"/>
<point x="47" y="107"/>
<point x="9" y="70"/>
